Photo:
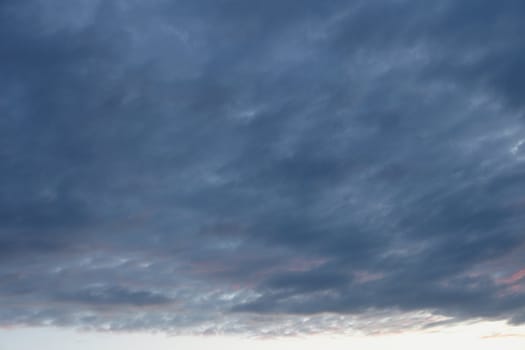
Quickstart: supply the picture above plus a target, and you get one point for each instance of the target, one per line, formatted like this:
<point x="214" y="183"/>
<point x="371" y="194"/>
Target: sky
<point x="274" y="172"/>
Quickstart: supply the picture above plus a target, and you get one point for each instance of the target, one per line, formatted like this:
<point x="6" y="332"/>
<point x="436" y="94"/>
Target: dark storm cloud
<point x="226" y="166"/>
<point x="114" y="296"/>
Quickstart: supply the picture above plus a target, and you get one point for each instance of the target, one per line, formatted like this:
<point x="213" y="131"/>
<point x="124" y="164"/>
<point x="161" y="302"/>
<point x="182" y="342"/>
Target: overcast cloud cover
<point x="274" y="166"/>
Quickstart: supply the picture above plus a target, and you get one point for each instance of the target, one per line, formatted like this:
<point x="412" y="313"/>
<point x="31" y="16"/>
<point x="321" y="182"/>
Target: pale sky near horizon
<point x="262" y="168"/>
<point x="479" y="336"/>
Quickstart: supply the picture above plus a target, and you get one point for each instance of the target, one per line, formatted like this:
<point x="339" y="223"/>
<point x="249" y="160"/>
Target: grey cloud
<point x="114" y="295"/>
<point x="224" y="161"/>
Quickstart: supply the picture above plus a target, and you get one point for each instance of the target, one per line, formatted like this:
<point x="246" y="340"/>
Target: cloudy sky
<point x="262" y="169"/>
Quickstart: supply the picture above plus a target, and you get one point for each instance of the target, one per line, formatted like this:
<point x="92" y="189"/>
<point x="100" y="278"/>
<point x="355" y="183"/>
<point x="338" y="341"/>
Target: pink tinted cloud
<point x="365" y="276"/>
<point x="516" y="277"/>
<point x="304" y="264"/>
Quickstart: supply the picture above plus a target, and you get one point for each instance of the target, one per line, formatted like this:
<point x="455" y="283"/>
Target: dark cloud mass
<point x="261" y="166"/>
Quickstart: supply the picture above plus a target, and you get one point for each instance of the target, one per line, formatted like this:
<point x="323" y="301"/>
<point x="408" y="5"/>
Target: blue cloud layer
<point x="167" y="164"/>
